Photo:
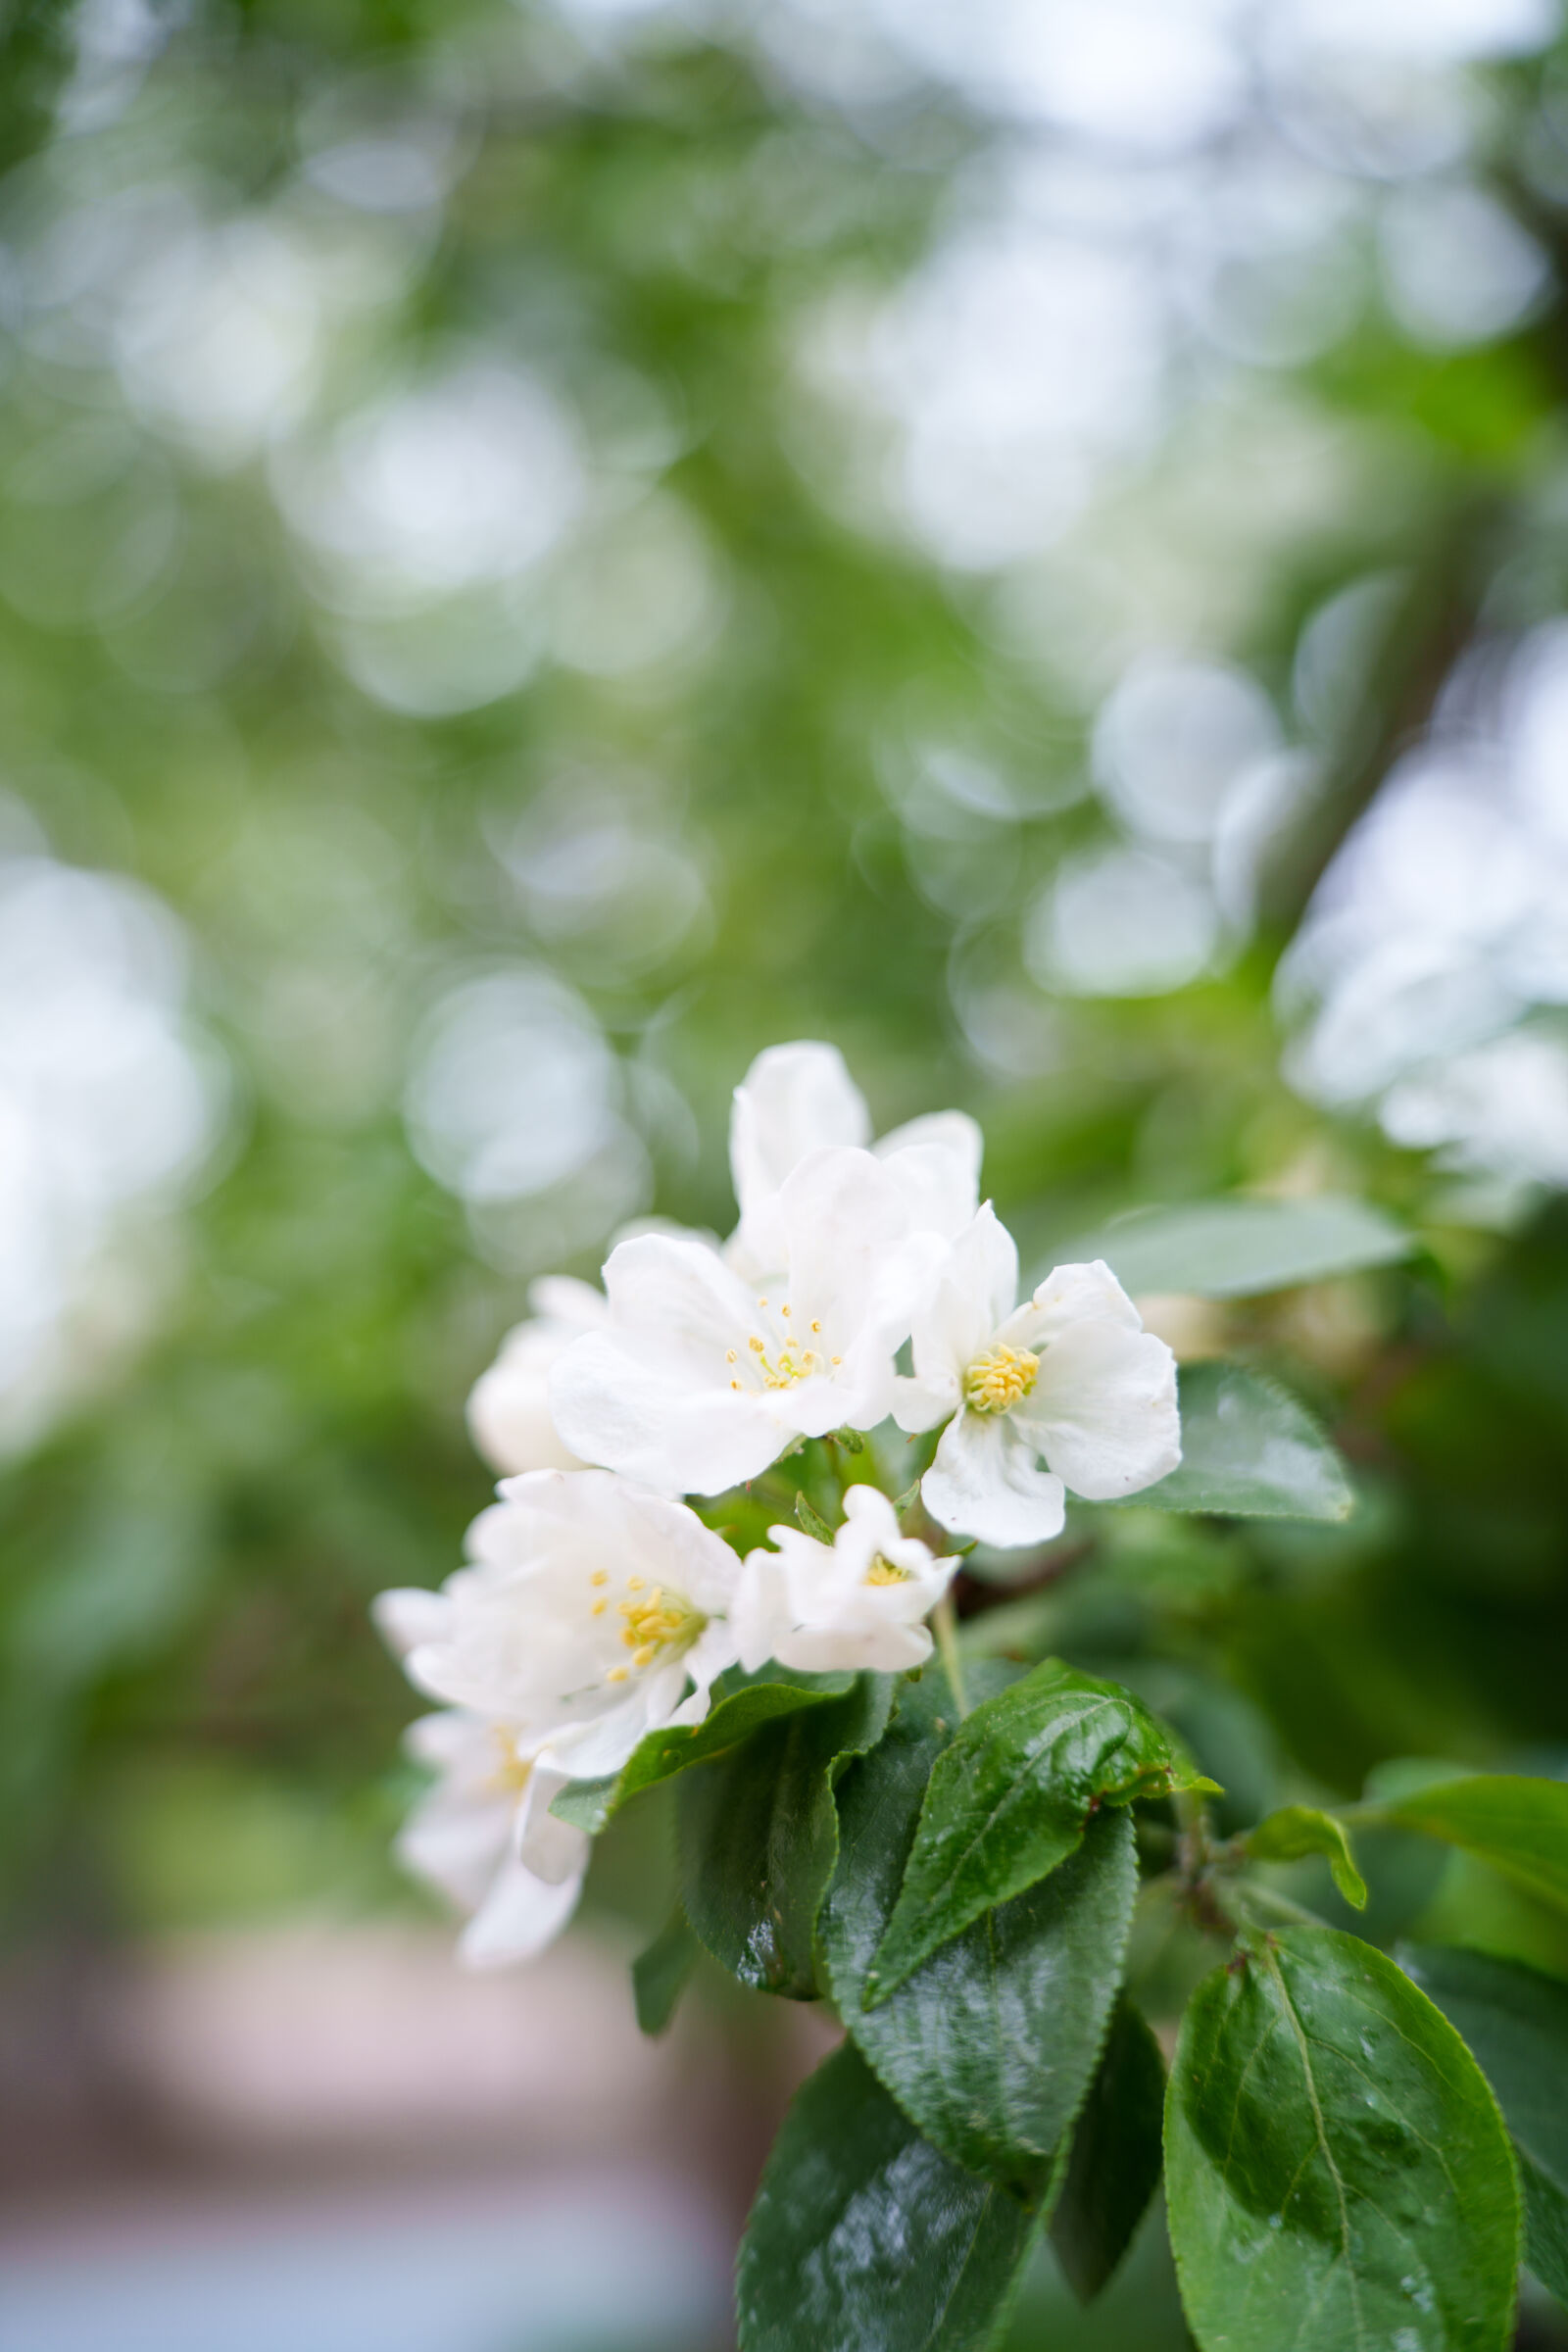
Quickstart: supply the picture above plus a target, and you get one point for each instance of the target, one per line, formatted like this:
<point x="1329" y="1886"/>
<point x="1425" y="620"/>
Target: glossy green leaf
<point x="675" y="1747"/>
<point x="1294" y="1832"/>
<point x="991" y="2044"/>
<point x="1249" y="1450"/>
<point x="866" y="2238"/>
<point x="1515" y="2021"/>
<point x="1008" y="1799"/>
<point x="659" y="1974"/>
<point x="759" y="1836"/>
<point x="1239" y="1248"/>
<point x="1339" y="2177"/>
<point x="1519" y="1826"/>
<point x="1116" y="2156"/>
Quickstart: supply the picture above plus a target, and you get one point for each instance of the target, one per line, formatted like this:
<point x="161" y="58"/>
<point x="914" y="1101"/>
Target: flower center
<point x="657" y="1624"/>
<point x="781" y="1362"/>
<point x="995" y="1381"/>
<point x="883" y="1572"/>
<point x="512" y="1773"/>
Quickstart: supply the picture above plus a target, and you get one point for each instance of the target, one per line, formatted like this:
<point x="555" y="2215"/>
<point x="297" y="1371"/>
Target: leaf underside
<point x="1296" y="1831"/>
<point x="1518" y="1825"/>
<point x="1242" y="1249"/>
<point x="1249" y="1450"/>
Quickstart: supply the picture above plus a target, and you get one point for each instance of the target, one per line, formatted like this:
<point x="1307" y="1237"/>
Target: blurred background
<point x="544" y="548"/>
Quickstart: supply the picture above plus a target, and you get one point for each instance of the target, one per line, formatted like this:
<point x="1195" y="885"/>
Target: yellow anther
<point x="835" y="1359"/>
<point x="635" y="1584"/>
<point x="754" y="1345"/>
<point x="995" y="1381"/>
<point x="729" y="1356"/>
<point x="816" y="1326"/>
<point x="784" y="1310"/>
<point x="884" y="1572"/>
<point x="600" y="1576"/>
<point x="599" y="1608"/>
<point x="619" y="1674"/>
<point x="647" y="1654"/>
<point x="762" y="1302"/>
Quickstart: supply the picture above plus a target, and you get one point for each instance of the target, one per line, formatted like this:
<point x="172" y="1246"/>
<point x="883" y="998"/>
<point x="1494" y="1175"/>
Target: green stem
<point x="1267" y="1899"/>
<point x="944" y="1620"/>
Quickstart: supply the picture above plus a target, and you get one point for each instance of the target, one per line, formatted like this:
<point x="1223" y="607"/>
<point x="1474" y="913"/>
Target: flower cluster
<point x="598" y="1606"/>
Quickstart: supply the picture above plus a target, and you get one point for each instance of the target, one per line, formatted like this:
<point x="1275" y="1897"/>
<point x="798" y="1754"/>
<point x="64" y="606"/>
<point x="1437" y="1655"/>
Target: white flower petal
<point x="973" y="1295"/>
<point x="1072" y="1295"/>
<point x="553" y="1850"/>
<point x="815" y="1607"/>
<point x="520" y="1915"/>
<point x="408" y="1617"/>
<point x="457" y="1844"/>
<point x="939" y="1184"/>
<point x="509" y="1405"/>
<point x="563" y="1298"/>
<point x="619" y="1409"/>
<point x="949" y="1131"/>
<point x="676" y="1295"/>
<point x="795" y="1098"/>
<point x="1102" y="1410"/>
<point x="888" y="1648"/>
<point x="985" y="1483"/>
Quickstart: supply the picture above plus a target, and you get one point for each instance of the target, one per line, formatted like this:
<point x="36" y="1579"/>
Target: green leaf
<point x="1296" y="1831"/>
<point x="1249" y="1450"/>
<point x="759" y="1836"/>
<point x="1239" y="1248"/>
<point x="810" y="1518"/>
<point x="1115" y="2162"/>
<point x="1339" y="2177"/>
<point x="1009" y="1797"/>
<point x="866" y="2238"/>
<point x="1515" y="2021"/>
<point x="992" y="2042"/>
<point x="658" y="1975"/>
<point x="1519" y="1826"/>
<point x="589" y="1805"/>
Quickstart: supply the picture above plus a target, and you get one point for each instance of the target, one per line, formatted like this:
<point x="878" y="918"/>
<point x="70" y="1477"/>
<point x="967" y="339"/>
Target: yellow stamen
<point x="510" y="1776"/>
<point x="600" y="1576"/>
<point x="884" y="1572"/>
<point x="599" y="1608"/>
<point x="661" y="1626"/>
<point x="995" y="1381"/>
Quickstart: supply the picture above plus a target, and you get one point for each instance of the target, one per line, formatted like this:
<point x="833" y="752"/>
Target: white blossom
<point x="1070" y="1376"/>
<point x="509" y="1406"/>
<point x="859" y="1602"/>
<point x="589" y="1607"/>
<point x="700" y="1380"/>
<point x="798" y="1099"/>
<point x="486" y="1838"/>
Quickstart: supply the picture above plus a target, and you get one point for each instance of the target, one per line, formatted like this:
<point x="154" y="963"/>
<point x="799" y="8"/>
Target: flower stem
<point x="945" y="1619"/>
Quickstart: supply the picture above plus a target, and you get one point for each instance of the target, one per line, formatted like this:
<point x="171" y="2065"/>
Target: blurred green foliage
<point x="195" y="1720"/>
